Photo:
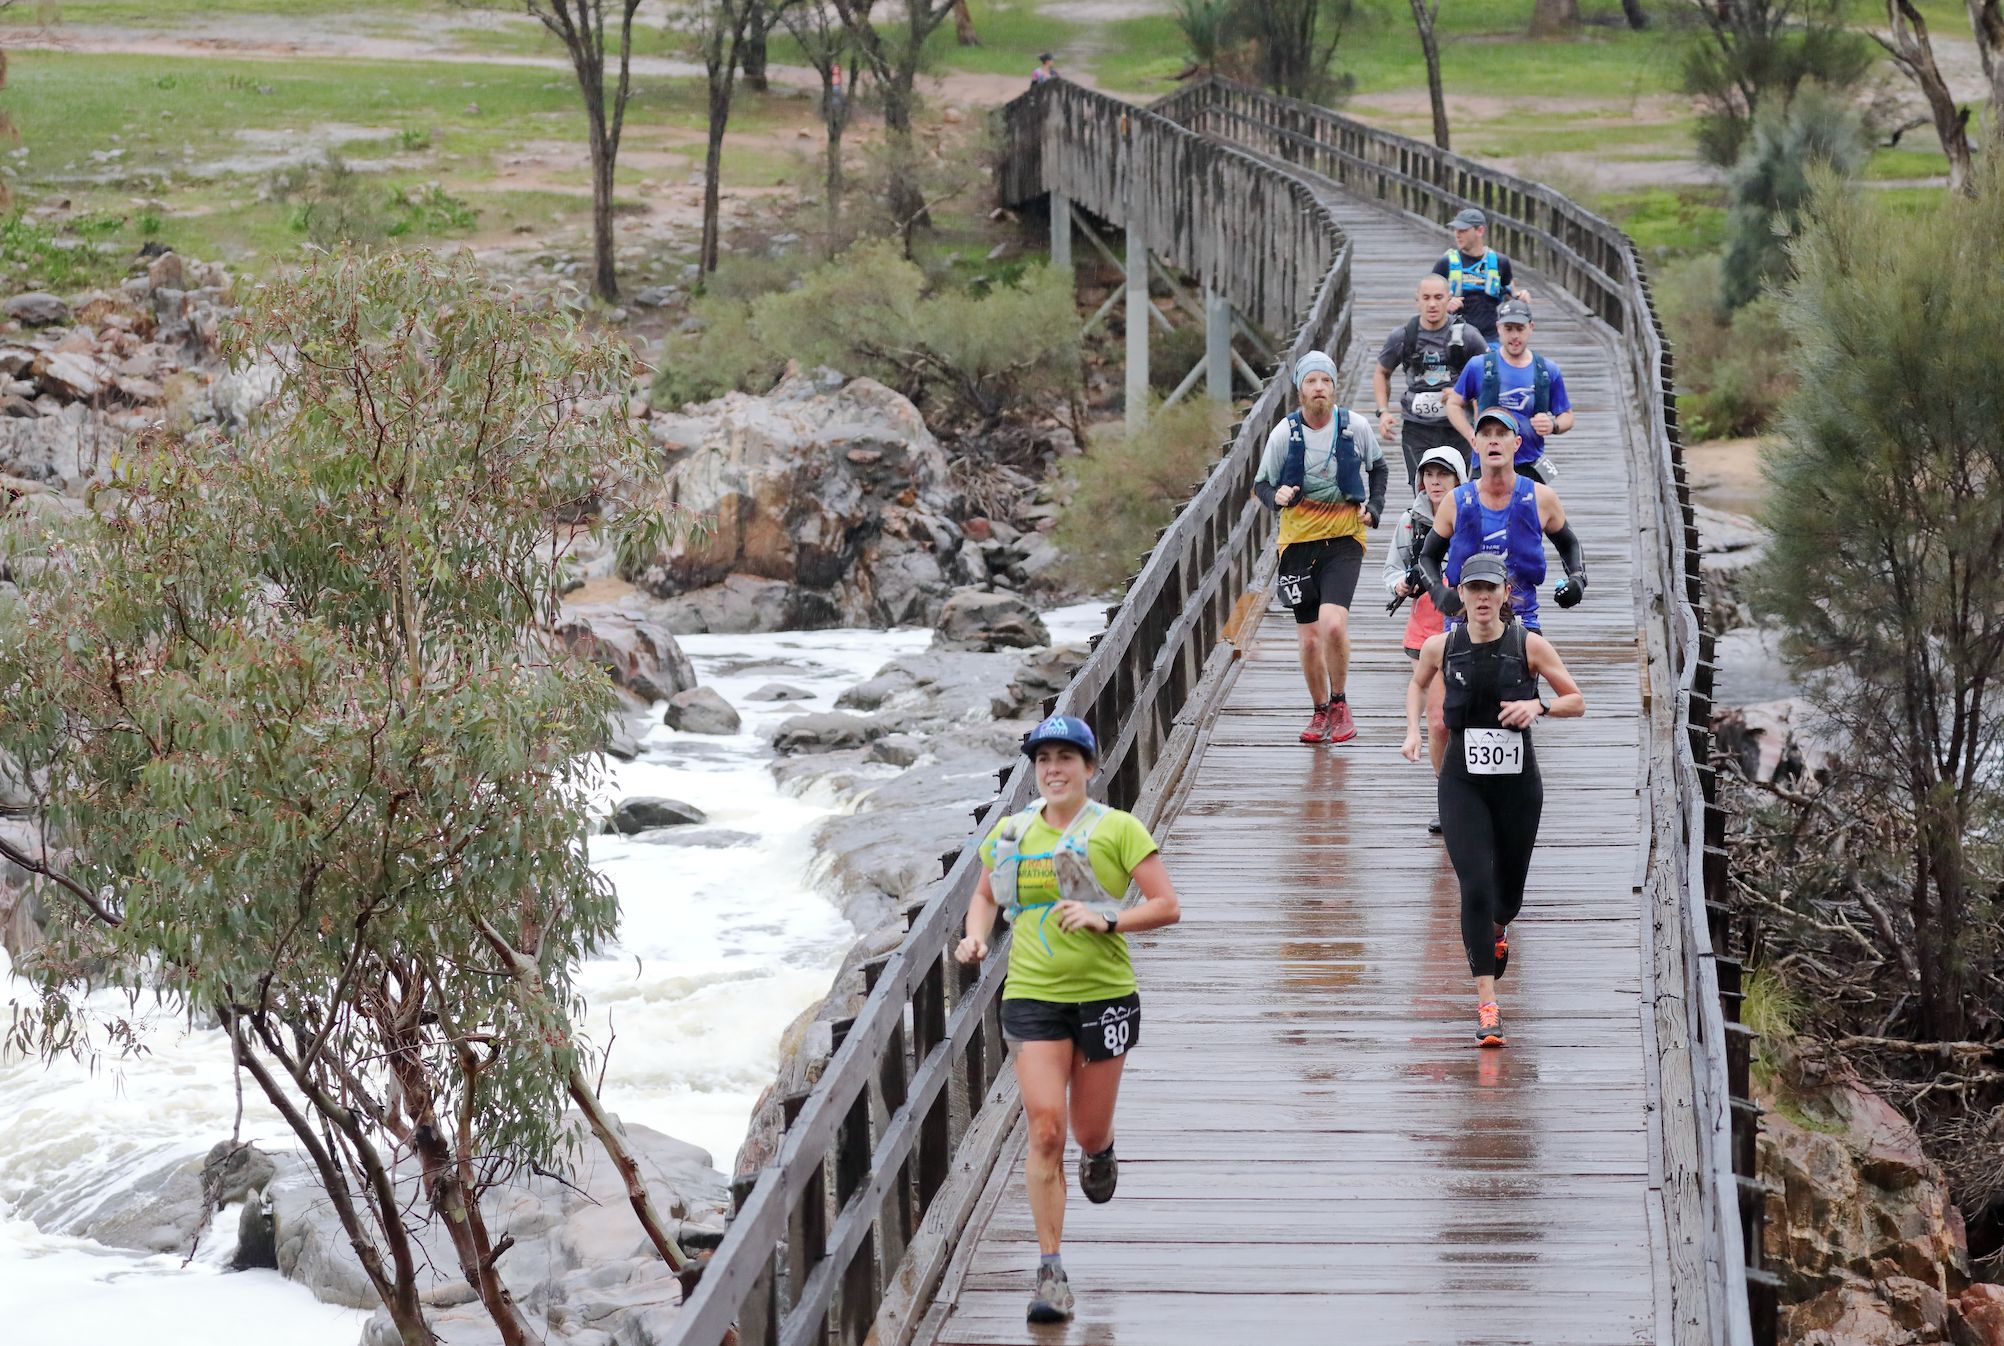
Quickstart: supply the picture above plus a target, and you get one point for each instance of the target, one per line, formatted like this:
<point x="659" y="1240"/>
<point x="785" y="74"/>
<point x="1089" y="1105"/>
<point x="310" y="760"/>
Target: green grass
<point x="169" y="13"/>
<point x="1669" y="221"/>
<point x="1909" y="161"/>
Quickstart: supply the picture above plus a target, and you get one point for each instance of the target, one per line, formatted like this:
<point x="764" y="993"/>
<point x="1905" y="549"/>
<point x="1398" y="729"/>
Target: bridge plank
<point x="1309" y="1140"/>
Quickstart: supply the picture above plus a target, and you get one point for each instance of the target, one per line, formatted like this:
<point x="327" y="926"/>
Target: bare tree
<point x="1986" y="20"/>
<point x="829" y="48"/>
<point x="718" y="30"/>
<point x="1906" y="41"/>
<point x="1425" y="12"/>
<point x="580" y="26"/>
<point x="1554" y="18"/>
<point x="759" y="21"/>
<point x="895" y="62"/>
<point x="963" y="25"/>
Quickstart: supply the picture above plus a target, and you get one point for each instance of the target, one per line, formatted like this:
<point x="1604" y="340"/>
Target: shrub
<point x="1770" y="185"/>
<point x="1125" y="490"/>
<point x="1734" y="368"/>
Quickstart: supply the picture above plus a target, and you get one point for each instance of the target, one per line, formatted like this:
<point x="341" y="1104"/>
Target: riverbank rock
<point x="1729" y="545"/>
<point x="1042" y="676"/>
<point x="833" y="491"/>
<point x="1858" y="1222"/>
<point x="643" y="813"/>
<point x="36" y="308"/>
<point x="701" y="711"/>
<point x="1781" y="741"/>
<point x="640" y="656"/>
<point x="779" y="691"/>
<point x="823" y="731"/>
<point x="982" y="619"/>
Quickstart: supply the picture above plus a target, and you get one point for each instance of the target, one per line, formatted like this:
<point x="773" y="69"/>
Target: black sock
<point x="1338" y="697"/>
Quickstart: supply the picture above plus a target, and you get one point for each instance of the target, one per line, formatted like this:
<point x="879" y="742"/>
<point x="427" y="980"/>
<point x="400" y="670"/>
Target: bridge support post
<point x="1217" y="346"/>
<point x="1138" y="307"/>
<point x="1061" y="231"/>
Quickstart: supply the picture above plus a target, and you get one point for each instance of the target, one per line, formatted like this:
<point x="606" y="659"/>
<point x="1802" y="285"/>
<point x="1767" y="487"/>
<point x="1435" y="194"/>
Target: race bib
<point x="1429" y="406"/>
<point x="1107" y="1028"/>
<point x="1493" y="752"/>
<point x="1294" y="590"/>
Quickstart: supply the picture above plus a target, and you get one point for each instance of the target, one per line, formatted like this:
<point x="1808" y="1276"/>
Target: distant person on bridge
<point x="1070" y="1008"/>
<point x="1432" y="349"/>
<point x="1314" y="472"/>
<point x="1516" y="377"/>
<point x="1489" y="791"/>
<point x="1440" y="472"/>
<point x="1508" y="514"/>
<point x="1478" y="277"/>
<point x="1047" y="69"/>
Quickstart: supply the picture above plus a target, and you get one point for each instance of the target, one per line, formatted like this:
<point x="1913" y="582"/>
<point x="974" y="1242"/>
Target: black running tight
<point x="1490" y="824"/>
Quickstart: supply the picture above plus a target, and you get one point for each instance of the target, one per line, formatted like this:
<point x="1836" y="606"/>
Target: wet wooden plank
<point x="1312" y="1148"/>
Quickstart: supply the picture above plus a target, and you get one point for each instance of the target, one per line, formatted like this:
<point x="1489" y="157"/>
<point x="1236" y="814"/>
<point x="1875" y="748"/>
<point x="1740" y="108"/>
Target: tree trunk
<point x="758" y="23"/>
<point x="604" y="275"/>
<point x="1986" y="20"/>
<point x="963" y="25"/>
<point x="906" y="200"/>
<point x="835" y="128"/>
<point x="1912" y="51"/>
<point x="713" y="164"/>
<point x="1555" y="18"/>
<point x="1424" y="15"/>
<point x="1637" y="16"/>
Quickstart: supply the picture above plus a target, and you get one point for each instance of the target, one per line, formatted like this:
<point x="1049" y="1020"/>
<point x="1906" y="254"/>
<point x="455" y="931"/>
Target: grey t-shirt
<point x="1432" y="362"/>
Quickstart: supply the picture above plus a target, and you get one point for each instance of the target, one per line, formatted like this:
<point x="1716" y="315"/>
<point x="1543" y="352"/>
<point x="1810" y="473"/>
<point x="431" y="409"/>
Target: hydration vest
<point x="1070" y="862"/>
<point x="1491" y="283"/>
<point x="1492" y="383"/>
<point x="1415" y="363"/>
<point x="1349" y="467"/>
<point x="1522" y="548"/>
<point x="1514" y="681"/>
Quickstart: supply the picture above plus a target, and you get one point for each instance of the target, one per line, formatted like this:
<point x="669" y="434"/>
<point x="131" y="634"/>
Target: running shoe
<point x="1502" y="949"/>
<point x="1098" y="1175"/>
<point x="1318" y="726"/>
<point x="1341" y="727"/>
<point x="1433" y="828"/>
<point x="1489" y="1026"/>
<point x="1052" y="1303"/>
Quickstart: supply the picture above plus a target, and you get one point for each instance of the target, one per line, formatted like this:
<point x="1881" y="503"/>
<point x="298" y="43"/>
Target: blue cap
<point x="1062" y="729"/>
<point x="1315" y="362"/>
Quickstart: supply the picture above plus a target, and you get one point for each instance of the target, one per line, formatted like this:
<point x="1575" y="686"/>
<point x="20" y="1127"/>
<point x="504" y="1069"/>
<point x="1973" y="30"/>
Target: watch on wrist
<point x="1111" y="915"/>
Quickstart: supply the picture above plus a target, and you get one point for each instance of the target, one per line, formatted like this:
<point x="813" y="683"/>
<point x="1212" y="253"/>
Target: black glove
<point x="1447" y="600"/>
<point x="1571" y="590"/>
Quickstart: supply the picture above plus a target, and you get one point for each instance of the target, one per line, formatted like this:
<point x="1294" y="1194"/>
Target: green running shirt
<point x="1047" y="962"/>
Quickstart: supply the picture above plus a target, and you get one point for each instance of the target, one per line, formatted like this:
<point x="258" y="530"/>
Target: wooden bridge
<point x="1312" y="1150"/>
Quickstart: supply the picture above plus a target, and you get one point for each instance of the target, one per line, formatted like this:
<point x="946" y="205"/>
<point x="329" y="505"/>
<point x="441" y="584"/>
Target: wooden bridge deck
<point x="1312" y="1149"/>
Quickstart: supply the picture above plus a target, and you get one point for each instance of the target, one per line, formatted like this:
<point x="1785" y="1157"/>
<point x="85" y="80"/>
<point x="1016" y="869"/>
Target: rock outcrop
<point x="701" y="711"/>
<point x="983" y="619"/>
<point x="644" y="813"/>
<point x="826" y="504"/>
<point x="640" y="656"/>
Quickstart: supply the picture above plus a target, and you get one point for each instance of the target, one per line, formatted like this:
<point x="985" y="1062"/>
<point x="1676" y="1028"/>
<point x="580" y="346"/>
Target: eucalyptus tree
<point x="304" y="764"/>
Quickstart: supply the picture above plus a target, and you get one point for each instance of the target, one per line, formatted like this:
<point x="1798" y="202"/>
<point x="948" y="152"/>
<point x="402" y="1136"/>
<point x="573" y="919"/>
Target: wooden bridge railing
<point x="1712" y="1204"/>
<point x="847" y="1229"/>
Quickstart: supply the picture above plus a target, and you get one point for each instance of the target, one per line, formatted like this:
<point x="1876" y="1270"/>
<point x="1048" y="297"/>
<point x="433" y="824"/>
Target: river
<point x="720" y="947"/>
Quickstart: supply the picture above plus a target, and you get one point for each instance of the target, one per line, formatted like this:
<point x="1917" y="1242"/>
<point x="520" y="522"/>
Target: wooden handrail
<point x="818" y="1238"/>
<point x="1698" y="1067"/>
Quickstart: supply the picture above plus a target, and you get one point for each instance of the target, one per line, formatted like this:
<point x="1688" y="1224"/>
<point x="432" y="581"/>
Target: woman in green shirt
<point x="1070" y="1009"/>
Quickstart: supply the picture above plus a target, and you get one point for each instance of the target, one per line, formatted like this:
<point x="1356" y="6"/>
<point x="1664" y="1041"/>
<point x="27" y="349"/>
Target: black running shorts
<point x="1102" y="1029"/>
<point x="1326" y="571"/>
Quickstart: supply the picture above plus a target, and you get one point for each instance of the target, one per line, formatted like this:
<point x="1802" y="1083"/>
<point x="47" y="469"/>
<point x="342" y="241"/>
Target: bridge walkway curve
<point x="1312" y="1149"/>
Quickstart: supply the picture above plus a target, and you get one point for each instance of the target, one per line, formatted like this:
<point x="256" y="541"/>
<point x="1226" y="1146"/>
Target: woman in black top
<point x="1489" y="790"/>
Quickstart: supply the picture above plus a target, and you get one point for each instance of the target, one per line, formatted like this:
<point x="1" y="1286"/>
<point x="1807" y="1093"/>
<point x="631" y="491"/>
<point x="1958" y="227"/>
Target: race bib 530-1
<point x="1493" y="752"/>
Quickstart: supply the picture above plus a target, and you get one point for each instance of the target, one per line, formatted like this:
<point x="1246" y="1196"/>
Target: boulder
<point x="1852" y="1200"/>
<point x="897" y="749"/>
<point x="1042" y="676"/>
<point x="166" y="272"/>
<point x="833" y="489"/>
<point x="72" y="376"/>
<point x="1982" y="1310"/>
<point x="978" y="619"/>
<point x="701" y="711"/>
<point x="639" y="655"/>
<point x="644" y="812"/>
<point x="779" y="691"/>
<point x="36" y="308"/>
<point x="164" y="1210"/>
<point x="237" y="394"/>
<point x="1751" y="669"/>
<point x="63" y="449"/>
<point x="1782" y="741"/>
<point x="739" y="605"/>
<point x="825" y="731"/>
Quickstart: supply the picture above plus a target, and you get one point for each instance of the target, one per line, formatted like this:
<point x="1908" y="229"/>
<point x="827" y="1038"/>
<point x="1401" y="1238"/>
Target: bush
<point x="1124" y="491"/>
<point x="333" y="205"/>
<point x="1171" y="354"/>
<point x="1734" y="368"/>
<point x="1770" y="185"/>
<point x="965" y="356"/>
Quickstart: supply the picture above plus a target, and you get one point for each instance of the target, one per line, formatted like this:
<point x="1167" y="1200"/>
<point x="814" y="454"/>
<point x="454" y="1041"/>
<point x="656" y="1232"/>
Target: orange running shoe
<point x="1489" y="1026"/>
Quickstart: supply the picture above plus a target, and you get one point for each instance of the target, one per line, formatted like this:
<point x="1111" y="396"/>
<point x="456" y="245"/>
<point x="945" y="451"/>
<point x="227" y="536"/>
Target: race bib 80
<point x="1493" y="752"/>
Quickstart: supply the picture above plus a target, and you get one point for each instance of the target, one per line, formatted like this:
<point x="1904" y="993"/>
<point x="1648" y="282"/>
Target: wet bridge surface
<point x="1312" y="1149"/>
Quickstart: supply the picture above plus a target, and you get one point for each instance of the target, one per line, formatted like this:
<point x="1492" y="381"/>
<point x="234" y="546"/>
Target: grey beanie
<point x="1313" y="363"/>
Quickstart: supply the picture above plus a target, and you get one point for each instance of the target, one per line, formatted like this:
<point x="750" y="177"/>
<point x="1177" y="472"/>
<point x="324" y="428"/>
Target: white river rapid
<point x="720" y="947"/>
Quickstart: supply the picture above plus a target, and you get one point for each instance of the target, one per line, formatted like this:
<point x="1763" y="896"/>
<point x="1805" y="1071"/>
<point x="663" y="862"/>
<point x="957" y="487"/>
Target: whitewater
<point x="723" y="941"/>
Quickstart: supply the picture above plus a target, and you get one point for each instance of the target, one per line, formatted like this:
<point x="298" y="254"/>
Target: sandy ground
<point x="1726" y="474"/>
